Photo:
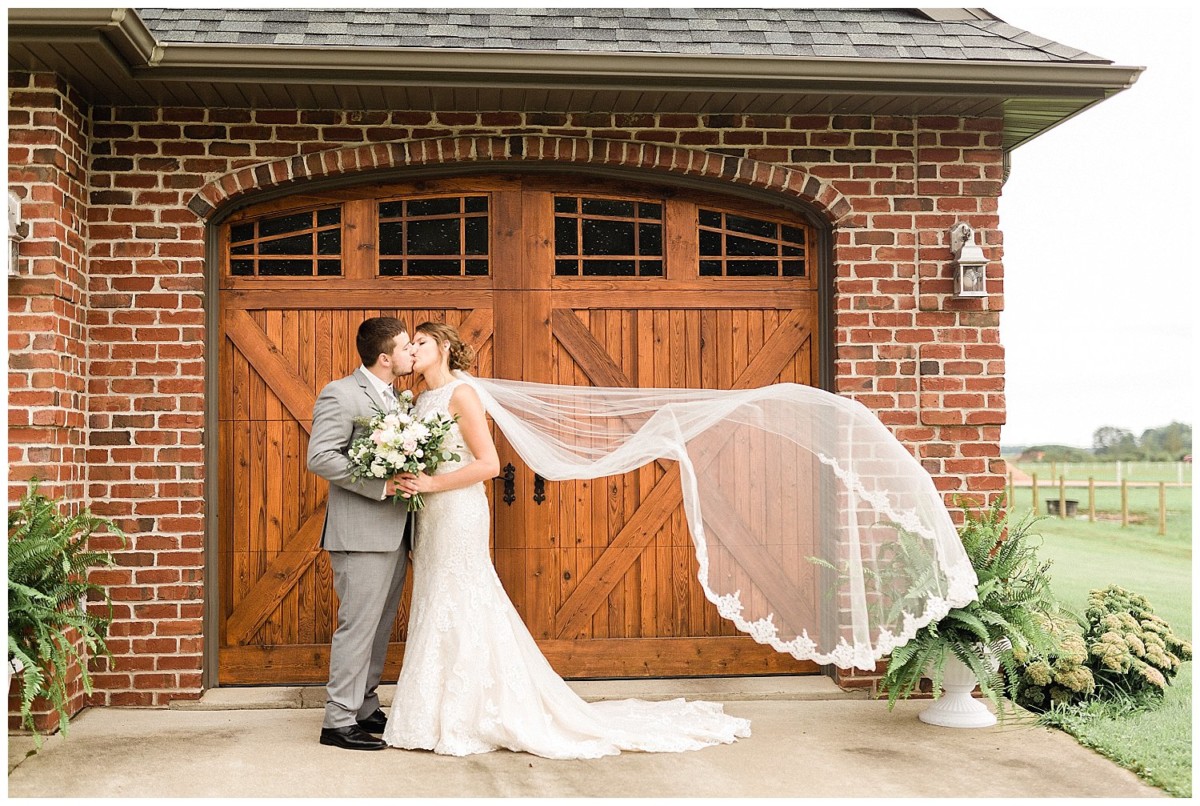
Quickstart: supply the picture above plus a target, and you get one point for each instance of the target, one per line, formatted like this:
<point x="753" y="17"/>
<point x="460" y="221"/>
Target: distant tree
<point x="1169" y="443"/>
<point x="1109" y="442"/>
<point x="1054" y="453"/>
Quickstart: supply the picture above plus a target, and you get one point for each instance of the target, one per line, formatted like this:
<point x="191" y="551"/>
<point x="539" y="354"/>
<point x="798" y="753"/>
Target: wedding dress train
<point x="473" y="679"/>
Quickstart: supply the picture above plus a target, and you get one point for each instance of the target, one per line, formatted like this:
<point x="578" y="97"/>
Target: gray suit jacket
<point x="357" y="517"/>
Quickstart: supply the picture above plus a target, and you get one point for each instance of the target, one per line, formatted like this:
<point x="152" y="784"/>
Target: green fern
<point x="48" y="562"/>
<point x="1013" y="587"/>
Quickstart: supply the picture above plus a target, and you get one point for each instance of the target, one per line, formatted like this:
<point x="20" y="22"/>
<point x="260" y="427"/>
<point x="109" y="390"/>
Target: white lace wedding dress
<point x="473" y="679"/>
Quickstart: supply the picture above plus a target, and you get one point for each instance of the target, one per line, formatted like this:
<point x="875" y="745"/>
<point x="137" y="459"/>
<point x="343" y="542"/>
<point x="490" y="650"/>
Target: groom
<point x="364" y="535"/>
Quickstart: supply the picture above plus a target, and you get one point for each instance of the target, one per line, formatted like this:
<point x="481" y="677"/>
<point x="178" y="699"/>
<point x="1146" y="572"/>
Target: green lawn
<point x="1155" y="744"/>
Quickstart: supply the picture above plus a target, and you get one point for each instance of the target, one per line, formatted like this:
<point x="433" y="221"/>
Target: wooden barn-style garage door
<point x="552" y="280"/>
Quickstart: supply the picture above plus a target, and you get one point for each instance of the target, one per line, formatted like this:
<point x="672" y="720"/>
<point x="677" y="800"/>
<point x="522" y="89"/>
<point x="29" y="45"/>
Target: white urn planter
<point x="956" y="708"/>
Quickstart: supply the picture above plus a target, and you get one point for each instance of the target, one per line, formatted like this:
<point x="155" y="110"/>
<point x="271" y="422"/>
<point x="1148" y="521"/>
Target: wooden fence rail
<point x="1090" y="484"/>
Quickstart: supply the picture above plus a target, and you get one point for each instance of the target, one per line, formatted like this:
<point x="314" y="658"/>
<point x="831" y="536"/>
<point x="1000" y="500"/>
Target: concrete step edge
<point x="727" y="689"/>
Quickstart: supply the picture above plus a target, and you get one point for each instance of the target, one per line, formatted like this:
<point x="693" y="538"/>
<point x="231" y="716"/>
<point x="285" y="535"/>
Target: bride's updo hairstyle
<point x="462" y="355"/>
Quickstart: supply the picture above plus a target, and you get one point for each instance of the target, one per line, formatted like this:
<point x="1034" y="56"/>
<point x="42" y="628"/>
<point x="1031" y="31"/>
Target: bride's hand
<point x="416" y="483"/>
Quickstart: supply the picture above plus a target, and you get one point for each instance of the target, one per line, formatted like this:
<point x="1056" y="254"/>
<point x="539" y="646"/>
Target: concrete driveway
<point x="810" y="739"/>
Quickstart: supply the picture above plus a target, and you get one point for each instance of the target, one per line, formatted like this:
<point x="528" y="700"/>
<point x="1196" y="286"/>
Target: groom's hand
<point x="392" y="487"/>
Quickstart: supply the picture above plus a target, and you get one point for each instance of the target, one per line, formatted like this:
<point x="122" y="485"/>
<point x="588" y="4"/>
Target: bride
<point x="473" y="680"/>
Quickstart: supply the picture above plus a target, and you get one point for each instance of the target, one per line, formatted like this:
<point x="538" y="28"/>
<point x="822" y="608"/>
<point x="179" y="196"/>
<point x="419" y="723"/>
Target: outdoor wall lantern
<point x="17" y="231"/>
<point x="970" y="266"/>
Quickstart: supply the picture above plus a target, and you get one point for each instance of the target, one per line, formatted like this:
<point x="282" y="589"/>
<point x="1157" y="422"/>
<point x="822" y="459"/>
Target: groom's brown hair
<point x="378" y="335"/>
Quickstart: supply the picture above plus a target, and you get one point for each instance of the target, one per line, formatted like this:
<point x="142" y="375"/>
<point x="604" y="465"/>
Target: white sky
<point x="1098" y="216"/>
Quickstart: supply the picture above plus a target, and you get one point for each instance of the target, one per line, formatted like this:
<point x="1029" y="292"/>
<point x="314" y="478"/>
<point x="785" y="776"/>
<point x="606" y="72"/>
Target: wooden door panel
<point x="602" y="571"/>
<point x="278" y="605"/>
<point x="624" y="541"/>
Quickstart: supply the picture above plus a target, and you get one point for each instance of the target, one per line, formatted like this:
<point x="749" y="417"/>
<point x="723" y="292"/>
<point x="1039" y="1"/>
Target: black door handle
<point x="539" y="489"/>
<point x="510" y="483"/>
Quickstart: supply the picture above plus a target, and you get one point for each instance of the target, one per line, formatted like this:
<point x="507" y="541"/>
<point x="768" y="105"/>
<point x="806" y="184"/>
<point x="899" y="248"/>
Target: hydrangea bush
<point x="1125" y="651"/>
<point x="1058" y="676"/>
<point x="1131" y="650"/>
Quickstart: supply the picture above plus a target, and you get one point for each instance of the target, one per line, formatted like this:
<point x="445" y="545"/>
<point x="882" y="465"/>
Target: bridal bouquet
<point x="397" y="442"/>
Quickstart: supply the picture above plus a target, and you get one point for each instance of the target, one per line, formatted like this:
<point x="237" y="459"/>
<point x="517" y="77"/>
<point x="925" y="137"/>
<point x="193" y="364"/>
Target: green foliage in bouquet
<point x="1132" y="652"/>
<point x="48" y="562"/>
<point x="1012" y="593"/>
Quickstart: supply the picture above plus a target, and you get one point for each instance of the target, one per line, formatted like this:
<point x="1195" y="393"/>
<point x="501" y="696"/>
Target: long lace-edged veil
<point x="815" y="531"/>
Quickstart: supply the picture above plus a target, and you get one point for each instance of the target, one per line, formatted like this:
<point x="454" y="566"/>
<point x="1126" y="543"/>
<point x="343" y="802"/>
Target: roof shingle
<point x="789" y="32"/>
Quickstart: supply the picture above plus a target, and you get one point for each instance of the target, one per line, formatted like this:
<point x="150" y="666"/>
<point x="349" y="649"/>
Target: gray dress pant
<point x="369" y="585"/>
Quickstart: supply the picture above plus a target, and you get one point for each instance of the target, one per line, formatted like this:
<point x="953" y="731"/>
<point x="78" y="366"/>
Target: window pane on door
<point x="434" y="235"/>
<point x="288" y="245"/>
<point x="607" y="237"/>
<point x="734" y="245"/>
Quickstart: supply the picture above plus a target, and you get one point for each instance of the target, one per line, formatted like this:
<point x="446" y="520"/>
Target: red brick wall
<point x="47" y="306"/>
<point x="47" y="343"/>
<point x="929" y="365"/>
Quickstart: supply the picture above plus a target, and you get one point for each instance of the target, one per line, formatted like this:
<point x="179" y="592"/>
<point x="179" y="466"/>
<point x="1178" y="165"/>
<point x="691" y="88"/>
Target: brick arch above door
<point x="516" y="150"/>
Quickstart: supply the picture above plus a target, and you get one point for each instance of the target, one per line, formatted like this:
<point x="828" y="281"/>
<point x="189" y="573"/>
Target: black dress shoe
<point x="375" y="723"/>
<point x="351" y="737"/>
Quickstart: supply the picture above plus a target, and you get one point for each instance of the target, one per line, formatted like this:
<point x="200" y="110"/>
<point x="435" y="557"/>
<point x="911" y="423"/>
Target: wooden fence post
<point x="1062" y="497"/>
<point x="1124" y="503"/>
<point x="1092" y="499"/>
<point x="1053" y="468"/>
<point x="1162" y="507"/>
<point x="1035" y="501"/>
<point x="1009" y="502"/>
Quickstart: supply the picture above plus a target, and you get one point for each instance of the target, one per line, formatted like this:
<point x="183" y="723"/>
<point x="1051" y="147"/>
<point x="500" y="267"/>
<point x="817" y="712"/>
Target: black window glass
<point x="710" y="243"/>
<point x="793" y="268"/>
<point x="652" y="268"/>
<point x="710" y="219"/>
<point x="329" y="217"/>
<point x="421" y="229"/>
<point x="793" y="234"/>
<point x="433" y="237"/>
<point x="391" y="238"/>
<point x="241" y="232"/>
<point x="746" y="247"/>
<point x="295" y="245"/>
<point x="566" y="267"/>
<point x="476" y="232"/>
<point x="649" y="239"/>
<point x="428" y="207"/>
<point x="650" y="210"/>
<point x="750" y="268"/>
<point x="608" y="207"/>
<point x="433" y="267"/>
<point x="329" y="242"/>
<point x="751" y="226"/>
<point x="566" y="236"/>
<point x="710" y="268"/>
<point x="285" y="268"/>
<point x="244" y="249"/>
<point x="242" y="268"/>
<point x="282" y="224"/>
<point x="602" y="237"/>
<point x="329" y="268"/>
<point x="565" y="204"/>
<point x="391" y="268"/>
<point x="609" y="268"/>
